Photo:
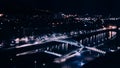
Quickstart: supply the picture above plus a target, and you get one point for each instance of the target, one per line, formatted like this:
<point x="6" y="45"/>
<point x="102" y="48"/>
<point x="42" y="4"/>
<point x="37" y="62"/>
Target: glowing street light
<point x="1" y="15"/>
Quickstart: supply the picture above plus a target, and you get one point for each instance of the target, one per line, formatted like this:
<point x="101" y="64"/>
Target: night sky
<point x="81" y="6"/>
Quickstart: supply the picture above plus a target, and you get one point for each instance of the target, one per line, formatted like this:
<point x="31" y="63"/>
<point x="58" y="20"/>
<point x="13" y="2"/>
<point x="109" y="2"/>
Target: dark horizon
<point x="78" y="6"/>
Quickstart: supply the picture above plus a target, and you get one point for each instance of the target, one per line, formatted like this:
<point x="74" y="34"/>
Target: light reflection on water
<point x="87" y="55"/>
<point x="112" y="34"/>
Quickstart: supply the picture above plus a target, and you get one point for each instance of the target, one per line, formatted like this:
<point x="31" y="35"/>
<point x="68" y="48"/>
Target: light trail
<point x="53" y="53"/>
<point x="41" y="42"/>
<point x="69" y="55"/>
<point x="95" y="49"/>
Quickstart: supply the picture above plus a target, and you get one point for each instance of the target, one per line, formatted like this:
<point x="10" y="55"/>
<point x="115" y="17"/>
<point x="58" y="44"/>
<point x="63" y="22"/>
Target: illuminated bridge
<point x="65" y="47"/>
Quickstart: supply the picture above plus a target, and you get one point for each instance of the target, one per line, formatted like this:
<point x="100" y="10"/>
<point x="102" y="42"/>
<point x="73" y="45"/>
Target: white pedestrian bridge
<point x="61" y="39"/>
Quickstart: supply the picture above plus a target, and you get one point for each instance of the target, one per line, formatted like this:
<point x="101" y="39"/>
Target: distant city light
<point x="1" y="15"/>
<point x="68" y="35"/>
